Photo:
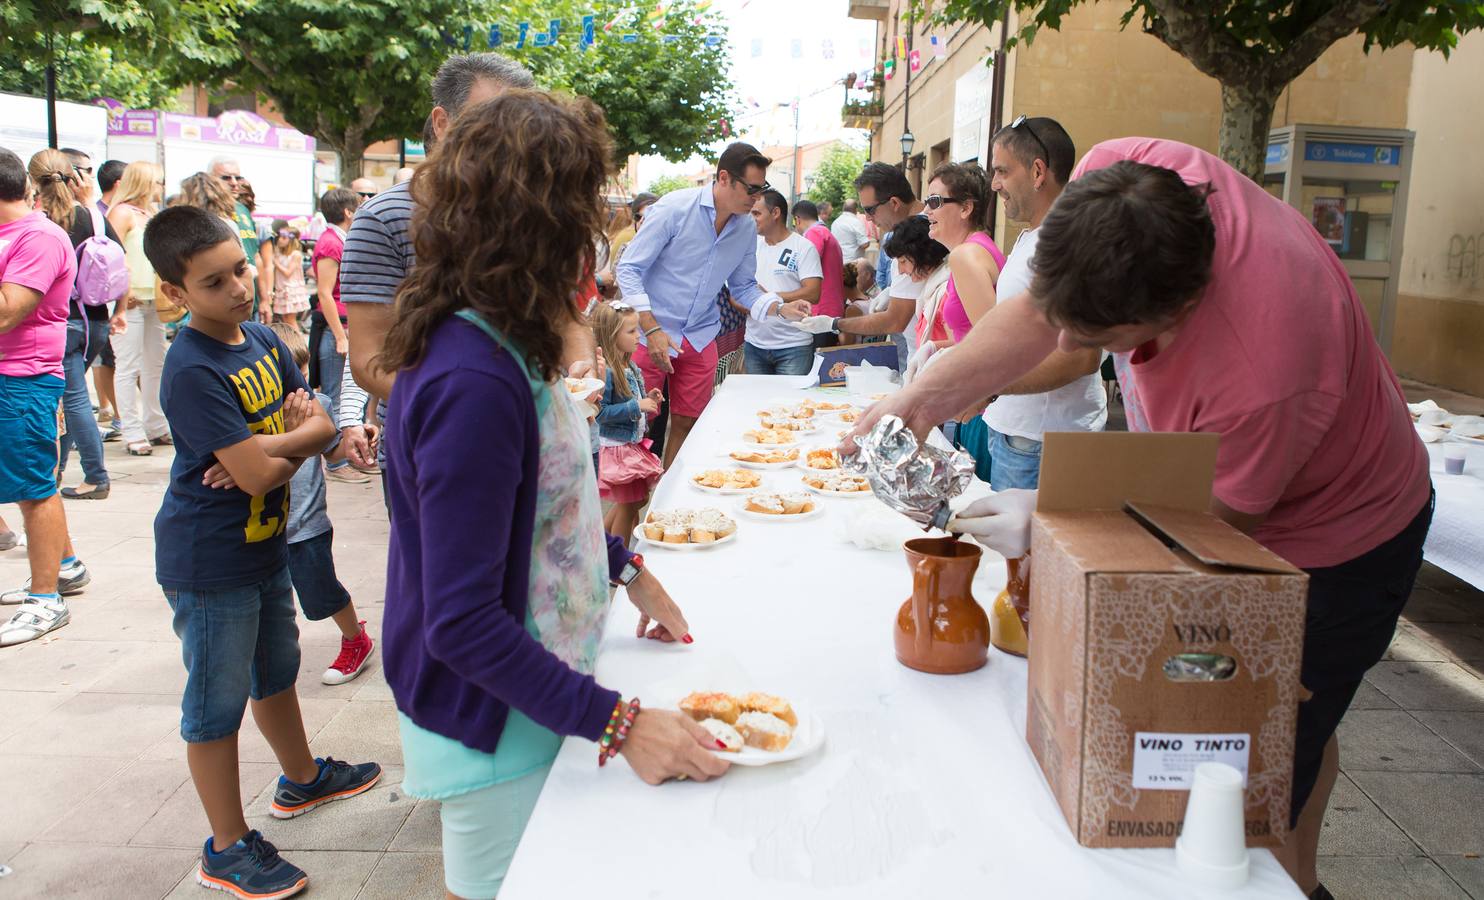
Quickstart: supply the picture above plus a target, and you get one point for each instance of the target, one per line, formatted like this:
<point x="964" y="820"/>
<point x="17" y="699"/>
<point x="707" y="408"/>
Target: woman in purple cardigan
<point x="498" y="574"/>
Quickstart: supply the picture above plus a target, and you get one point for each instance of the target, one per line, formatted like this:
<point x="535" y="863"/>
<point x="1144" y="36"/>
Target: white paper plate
<point x="724" y="491"/>
<point x="639" y="535"/>
<point x="803" y="462"/>
<point x="751" y="443"/>
<point x="766" y="467"/>
<point x="808" y="737"/>
<point x="746" y="513"/>
<point x="865" y="493"/>
<point x="1476" y="441"/>
<point x="588" y="386"/>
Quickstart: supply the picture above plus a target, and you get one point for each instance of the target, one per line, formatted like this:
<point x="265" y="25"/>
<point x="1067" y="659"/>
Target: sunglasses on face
<point x="1022" y="122"/>
<point x="83" y="170"/>
<point x="935" y="201"/>
<point x="752" y="189"/>
<point x="871" y="210"/>
<point x="366" y="195"/>
<point x="231" y="178"/>
<point x="289" y="234"/>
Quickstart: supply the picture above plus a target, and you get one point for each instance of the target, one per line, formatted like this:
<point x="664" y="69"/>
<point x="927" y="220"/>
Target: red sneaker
<point x="352" y="659"/>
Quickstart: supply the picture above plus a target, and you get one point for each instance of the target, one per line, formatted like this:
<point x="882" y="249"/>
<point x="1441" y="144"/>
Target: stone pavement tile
<point x="1468" y="871"/>
<point x="1464" y="730"/>
<point x="180" y="822"/>
<point x="18" y="709"/>
<point x="1392" y="740"/>
<point x="1411" y="644"/>
<point x="8" y="850"/>
<point x="53" y="786"/>
<point x="131" y="553"/>
<point x="1455" y="641"/>
<point x="368" y="821"/>
<point x="373" y="687"/>
<point x="1354" y="826"/>
<point x="114" y="619"/>
<point x="406" y="876"/>
<point x="111" y="725"/>
<point x="115" y="812"/>
<point x="332" y="874"/>
<point x="61" y="665"/>
<point x="155" y="668"/>
<point x="1367" y="697"/>
<point x="1428" y="605"/>
<point x="1387" y="878"/>
<point x="1435" y="579"/>
<point x="361" y="731"/>
<point x="56" y="872"/>
<point x="1442" y="812"/>
<point x="423" y="830"/>
<point x="1425" y="685"/>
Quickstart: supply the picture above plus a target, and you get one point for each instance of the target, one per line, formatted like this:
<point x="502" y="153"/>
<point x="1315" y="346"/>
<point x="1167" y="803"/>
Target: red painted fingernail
<point x="721" y="745"/>
<point x="687" y="639"/>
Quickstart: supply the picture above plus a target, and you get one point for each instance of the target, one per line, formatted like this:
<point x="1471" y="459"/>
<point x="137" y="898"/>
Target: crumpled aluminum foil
<point x="917" y="480"/>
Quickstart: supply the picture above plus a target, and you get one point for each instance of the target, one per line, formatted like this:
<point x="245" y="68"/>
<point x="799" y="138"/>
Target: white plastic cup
<point x="1212" y="847"/>
<point x="1454" y="457"/>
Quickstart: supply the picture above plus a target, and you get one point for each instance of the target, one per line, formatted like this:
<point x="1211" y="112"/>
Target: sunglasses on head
<point x="83" y="170"/>
<point x="1022" y="122"/>
<point x="935" y="201"/>
<point x="619" y="306"/>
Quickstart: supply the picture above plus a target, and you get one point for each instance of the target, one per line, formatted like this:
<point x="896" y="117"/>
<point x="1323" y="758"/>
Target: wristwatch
<point x="631" y="570"/>
<point x="835" y="325"/>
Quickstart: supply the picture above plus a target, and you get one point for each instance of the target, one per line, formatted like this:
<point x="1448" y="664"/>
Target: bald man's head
<point x="365" y="187"/>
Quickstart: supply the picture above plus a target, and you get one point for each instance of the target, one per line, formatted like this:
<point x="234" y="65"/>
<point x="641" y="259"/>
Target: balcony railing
<point x="861" y="114"/>
<point x="878" y="10"/>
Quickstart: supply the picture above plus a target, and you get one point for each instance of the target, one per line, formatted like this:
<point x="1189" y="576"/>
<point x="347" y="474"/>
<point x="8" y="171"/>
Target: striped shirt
<point x="378" y="249"/>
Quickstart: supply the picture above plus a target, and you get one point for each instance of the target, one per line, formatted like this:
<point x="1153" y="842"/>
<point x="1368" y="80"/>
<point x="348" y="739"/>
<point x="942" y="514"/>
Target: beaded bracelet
<point x="617" y="731"/>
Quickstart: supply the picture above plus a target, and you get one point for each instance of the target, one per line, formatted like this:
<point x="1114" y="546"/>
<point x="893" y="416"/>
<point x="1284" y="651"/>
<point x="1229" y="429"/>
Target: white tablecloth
<point x="1455" y="543"/>
<point x="924" y="788"/>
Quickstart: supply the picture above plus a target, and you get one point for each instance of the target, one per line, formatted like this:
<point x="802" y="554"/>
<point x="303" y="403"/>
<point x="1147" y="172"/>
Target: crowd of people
<point x="1220" y="308"/>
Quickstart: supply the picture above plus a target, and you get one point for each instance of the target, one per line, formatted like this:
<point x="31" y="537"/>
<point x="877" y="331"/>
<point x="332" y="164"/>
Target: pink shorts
<point x="692" y="382"/>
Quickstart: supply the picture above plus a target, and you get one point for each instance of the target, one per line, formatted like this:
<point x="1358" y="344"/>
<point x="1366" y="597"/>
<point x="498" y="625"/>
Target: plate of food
<point x="765" y="457"/>
<point x="582" y="388"/>
<point x="848" y="416"/>
<point x="726" y="481"/>
<point x="825" y="406"/>
<point x="837" y="484"/>
<point x="787" y="423"/>
<point x="776" y="507"/>
<point x="789" y="409"/>
<point x="757" y="729"/>
<point x="820" y="459"/>
<point x="771" y="437"/>
<point x="687" y="529"/>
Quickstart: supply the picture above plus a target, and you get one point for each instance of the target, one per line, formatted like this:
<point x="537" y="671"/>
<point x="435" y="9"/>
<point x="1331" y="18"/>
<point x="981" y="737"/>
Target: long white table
<point x="924" y="788"/>
<point x="1455" y="543"/>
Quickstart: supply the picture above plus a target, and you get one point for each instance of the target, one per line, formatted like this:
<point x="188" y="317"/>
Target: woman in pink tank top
<point x="958" y="208"/>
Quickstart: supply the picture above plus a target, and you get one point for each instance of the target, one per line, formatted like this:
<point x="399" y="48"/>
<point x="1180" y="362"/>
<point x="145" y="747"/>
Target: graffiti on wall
<point x="1466" y="258"/>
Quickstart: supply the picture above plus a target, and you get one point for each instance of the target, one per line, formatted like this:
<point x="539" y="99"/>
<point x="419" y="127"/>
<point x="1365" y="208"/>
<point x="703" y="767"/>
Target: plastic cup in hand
<point x="1454" y="456"/>
<point x="1212" y="848"/>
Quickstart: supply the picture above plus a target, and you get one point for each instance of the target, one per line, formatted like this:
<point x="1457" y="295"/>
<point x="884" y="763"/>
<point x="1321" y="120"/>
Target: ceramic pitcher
<point x="941" y="629"/>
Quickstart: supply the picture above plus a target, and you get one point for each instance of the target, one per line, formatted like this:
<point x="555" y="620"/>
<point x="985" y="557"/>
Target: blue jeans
<point x="236" y="643"/>
<point x="787" y="361"/>
<point x="85" y="340"/>
<point x="1015" y="461"/>
<point x="331" y="367"/>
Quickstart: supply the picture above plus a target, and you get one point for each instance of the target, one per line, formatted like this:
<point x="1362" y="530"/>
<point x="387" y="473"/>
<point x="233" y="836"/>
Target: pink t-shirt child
<point x="952" y="312"/>
<point x="1279" y="359"/>
<point x="831" y="264"/>
<point x="36" y="254"/>
<point x="331" y="245"/>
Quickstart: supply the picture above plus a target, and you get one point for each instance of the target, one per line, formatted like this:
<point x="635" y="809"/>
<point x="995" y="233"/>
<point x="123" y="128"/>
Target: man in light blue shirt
<point x="694" y="241"/>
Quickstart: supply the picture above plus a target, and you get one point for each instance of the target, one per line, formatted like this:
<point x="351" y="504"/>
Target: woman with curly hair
<point x="498" y="574"/>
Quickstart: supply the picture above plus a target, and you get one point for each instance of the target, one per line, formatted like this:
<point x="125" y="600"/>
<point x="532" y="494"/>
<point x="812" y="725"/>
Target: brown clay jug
<point x="941" y="629"/>
<point x="1009" y="620"/>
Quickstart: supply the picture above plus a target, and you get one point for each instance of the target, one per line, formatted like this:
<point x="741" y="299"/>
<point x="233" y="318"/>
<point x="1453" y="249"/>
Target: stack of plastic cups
<point x="1212" y="848"/>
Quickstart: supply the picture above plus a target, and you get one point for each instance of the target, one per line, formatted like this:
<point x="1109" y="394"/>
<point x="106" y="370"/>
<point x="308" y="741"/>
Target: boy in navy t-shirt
<point x="242" y="422"/>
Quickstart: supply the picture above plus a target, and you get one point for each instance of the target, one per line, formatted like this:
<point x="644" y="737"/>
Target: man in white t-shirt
<point x="1031" y="162"/>
<point x="850" y="231"/>
<point x="789" y="266"/>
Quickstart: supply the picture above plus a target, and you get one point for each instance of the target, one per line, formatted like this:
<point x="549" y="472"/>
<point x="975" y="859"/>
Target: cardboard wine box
<point x="1160" y="638"/>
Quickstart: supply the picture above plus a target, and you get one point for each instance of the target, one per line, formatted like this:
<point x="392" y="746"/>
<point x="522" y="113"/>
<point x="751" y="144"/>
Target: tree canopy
<point x="667" y="183"/>
<point x="1254" y="48"/>
<point x="834" y="179"/>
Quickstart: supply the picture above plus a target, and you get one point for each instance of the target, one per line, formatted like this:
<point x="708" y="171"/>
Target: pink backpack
<point x="102" y="272"/>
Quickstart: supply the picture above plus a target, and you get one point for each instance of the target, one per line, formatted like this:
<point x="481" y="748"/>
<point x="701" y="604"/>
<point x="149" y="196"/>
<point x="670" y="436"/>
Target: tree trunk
<point x="352" y="147"/>
<point x="1246" y="117"/>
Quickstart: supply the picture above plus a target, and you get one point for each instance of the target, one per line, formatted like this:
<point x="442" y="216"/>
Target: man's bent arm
<point x="369" y="324"/>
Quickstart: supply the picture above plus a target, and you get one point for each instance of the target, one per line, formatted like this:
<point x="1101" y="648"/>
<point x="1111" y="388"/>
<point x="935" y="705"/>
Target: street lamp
<point x="907" y="141"/>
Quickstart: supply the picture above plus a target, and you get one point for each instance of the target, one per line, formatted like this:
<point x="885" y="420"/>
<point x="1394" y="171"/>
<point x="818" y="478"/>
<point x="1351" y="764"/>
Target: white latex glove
<point x="1001" y="522"/>
<point x="816" y="324"/>
<point x="919" y="361"/>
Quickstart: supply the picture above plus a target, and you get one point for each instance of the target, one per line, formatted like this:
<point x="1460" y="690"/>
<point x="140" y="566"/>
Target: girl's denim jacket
<point x="620" y="421"/>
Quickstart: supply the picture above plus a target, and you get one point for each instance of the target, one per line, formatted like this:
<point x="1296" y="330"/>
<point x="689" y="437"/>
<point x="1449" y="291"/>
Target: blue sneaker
<point x="250" y="868"/>
<point x="336" y="781"/>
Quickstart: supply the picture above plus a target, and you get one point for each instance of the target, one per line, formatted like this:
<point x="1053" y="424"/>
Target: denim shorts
<point x="28" y="434"/>
<point x="312" y="568"/>
<point x="1015" y="462"/>
<point x="236" y="643"/>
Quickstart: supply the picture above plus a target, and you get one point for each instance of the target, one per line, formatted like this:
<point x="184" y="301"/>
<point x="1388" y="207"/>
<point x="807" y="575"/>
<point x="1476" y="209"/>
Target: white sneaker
<point x="33" y="620"/>
<point x="69" y="581"/>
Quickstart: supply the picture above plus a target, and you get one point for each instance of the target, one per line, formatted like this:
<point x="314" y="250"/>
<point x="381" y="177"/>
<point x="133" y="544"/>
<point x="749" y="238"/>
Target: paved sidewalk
<point x="98" y="802"/>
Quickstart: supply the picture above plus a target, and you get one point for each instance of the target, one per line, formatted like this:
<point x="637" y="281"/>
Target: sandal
<point x="163" y="440"/>
<point x="140" y="448"/>
<point x="99" y="492"/>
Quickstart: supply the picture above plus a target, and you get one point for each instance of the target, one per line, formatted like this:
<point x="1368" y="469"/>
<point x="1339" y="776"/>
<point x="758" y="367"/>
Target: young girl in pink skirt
<point x="627" y="471"/>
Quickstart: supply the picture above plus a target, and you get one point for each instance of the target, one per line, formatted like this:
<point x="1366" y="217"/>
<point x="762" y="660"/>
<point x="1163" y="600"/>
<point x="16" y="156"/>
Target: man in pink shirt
<point x="832" y="262"/>
<point x="37" y="268"/>
<point x="1226" y="312"/>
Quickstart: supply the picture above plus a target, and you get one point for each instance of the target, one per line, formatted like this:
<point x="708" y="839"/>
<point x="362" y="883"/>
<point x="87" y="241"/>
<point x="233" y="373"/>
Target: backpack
<point x="102" y="272"/>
